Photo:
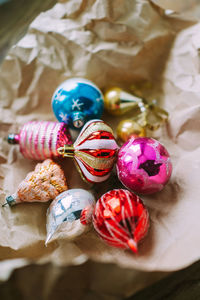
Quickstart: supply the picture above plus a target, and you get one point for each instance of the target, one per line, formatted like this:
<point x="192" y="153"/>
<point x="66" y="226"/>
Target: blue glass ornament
<point x="77" y="101"/>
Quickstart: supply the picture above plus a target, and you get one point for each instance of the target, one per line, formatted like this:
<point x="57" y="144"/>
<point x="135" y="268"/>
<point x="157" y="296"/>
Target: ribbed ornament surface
<point x="39" y="140"/>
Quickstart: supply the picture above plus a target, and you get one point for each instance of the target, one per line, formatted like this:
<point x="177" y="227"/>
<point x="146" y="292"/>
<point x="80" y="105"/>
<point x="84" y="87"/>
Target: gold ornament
<point x="117" y="102"/>
<point x="151" y="116"/>
<point x="146" y="115"/>
<point x="129" y="128"/>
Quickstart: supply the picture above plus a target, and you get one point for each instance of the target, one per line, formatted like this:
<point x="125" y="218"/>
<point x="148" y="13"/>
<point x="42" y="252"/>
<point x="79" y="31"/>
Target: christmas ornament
<point x="121" y="219"/>
<point x="129" y="128"/>
<point x="144" y="165"/>
<point x="69" y="212"/>
<point x="151" y="116"/>
<point x="147" y="116"/>
<point x="77" y="101"/>
<point x="39" y="140"/>
<point x="41" y="185"/>
<point x="117" y="102"/>
<point x="94" y="151"/>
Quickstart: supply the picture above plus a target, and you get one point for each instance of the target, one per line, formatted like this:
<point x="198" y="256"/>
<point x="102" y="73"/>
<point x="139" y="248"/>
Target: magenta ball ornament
<point x="144" y="165"/>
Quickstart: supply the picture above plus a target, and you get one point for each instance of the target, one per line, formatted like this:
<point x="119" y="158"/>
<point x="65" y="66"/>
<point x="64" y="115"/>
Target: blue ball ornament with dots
<point x="77" y="101"/>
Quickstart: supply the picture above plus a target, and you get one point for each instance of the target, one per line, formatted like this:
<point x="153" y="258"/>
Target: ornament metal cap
<point x="13" y="138"/>
<point x="66" y="151"/>
<point x="10" y="200"/>
<point x="78" y="119"/>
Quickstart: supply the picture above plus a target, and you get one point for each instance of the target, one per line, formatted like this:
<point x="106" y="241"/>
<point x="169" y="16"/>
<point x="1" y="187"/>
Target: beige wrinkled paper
<point x="117" y="43"/>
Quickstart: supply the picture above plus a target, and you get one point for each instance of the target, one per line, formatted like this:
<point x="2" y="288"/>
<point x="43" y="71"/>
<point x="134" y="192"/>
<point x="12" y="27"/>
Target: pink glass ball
<point x="144" y="165"/>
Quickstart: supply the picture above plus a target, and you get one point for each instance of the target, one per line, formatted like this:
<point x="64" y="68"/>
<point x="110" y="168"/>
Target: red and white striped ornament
<point x="39" y="140"/>
<point x="94" y="151"/>
<point x="121" y="219"/>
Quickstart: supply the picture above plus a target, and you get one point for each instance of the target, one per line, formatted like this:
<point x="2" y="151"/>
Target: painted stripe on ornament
<point x="111" y="217"/>
<point x="89" y="176"/>
<point x="98" y="135"/>
<point x="25" y="130"/>
<point x="54" y="142"/>
<point x="124" y="218"/>
<point x="47" y="150"/>
<point x="32" y="129"/>
<point x="41" y="139"/>
<point x="107" y="237"/>
<point x="100" y="153"/>
<point x="100" y="144"/>
<point x="100" y="126"/>
<point x="95" y="172"/>
<point x="22" y="134"/>
<point x="35" y="140"/>
<point x="110" y="228"/>
<point x="51" y="147"/>
<point x="98" y="162"/>
<point x="28" y="138"/>
<point x="44" y="139"/>
<point x="129" y="202"/>
<point x="88" y="124"/>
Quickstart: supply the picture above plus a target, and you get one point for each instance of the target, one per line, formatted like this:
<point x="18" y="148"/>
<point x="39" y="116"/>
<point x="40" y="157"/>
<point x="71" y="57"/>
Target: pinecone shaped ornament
<point x="43" y="184"/>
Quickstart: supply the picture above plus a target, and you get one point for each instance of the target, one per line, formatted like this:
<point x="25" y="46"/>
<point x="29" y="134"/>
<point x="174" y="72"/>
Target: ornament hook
<point x="66" y="151"/>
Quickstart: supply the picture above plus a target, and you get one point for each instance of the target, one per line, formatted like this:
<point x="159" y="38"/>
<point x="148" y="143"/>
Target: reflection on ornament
<point x="71" y="209"/>
<point x="144" y="165"/>
<point x="77" y="101"/>
<point x="94" y="151"/>
<point x="39" y="140"/>
<point x="43" y="184"/>
<point x="129" y="128"/>
<point x="117" y="102"/>
<point x="121" y="219"/>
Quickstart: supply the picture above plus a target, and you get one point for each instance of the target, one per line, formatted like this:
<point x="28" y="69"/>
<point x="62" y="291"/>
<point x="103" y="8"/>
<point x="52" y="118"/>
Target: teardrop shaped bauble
<point x="121" y="219"/>
<point x="68" y="211"/>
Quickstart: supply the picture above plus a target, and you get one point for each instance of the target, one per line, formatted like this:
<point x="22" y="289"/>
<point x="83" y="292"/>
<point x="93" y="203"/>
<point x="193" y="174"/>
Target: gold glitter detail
<point x="59" y="188"/>
<point x="96" y="126"/>
<point x="95" y="162"/>
<point x="80" y="172"/>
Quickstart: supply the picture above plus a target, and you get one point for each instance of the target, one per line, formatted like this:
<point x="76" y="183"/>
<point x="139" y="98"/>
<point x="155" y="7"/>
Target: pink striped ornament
<point x="39" y="140"/>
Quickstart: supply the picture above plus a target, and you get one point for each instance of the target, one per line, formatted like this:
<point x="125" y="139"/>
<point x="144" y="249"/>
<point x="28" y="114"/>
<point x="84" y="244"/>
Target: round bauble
<point x="77" y="101"/>
<point x="144" y="165"/>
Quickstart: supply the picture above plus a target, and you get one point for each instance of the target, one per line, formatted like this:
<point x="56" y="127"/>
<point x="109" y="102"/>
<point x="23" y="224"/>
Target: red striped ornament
<point x="121" y="219"/>
<point x="39" y="140"/>
<point x="94" y="151"/>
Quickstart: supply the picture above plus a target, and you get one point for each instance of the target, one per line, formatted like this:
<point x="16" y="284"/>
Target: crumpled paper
<point x="189" y="9"/>
<point x="118" y="43"/>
